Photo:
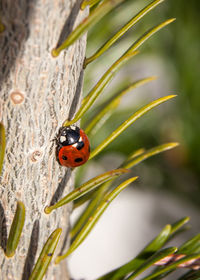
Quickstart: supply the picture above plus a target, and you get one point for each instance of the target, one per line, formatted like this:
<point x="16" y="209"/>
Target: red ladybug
<point x="73" y="147"/>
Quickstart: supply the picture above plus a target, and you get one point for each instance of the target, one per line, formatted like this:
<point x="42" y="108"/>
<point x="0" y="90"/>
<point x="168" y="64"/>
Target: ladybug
<point x="73" y="147"/>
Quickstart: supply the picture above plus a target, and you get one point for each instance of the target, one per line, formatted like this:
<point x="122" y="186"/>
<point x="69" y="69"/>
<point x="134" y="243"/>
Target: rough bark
<point x="38" y="93"/>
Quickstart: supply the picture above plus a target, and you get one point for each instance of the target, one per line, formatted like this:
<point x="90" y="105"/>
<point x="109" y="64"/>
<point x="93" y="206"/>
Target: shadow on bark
<point x="65" y="240"/>
<point x="32" y="250"/>
<point x="3" y="229"/>
<point x="69" y="24"/>
<point x="16" y="16"/>
<point x="59" y="191"/>
<point x="77" y="96"/>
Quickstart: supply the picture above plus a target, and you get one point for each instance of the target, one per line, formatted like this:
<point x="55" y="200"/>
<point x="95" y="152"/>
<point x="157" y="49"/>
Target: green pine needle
<point x="170" y="267"/>
<point x="87" y="23"/>
<point x="89" y="210"/>
<point x="149" y="262"/>
<point x="46" y="255"/>
<point x="189" y="248"/>
<point x="98" y="88"/>
<point x="100" y="118"/>
<point x="156" y="244"/>
<point x="149" y="153"/>
<point x="192" y="246"/>
<point x="122" y="31"/>
<point x="86" y="187"/>
<point x="93" y="219"/>
<point x="95" y="92"/>
<point x="89" y="3"/>
<point x="148" y="35"/>
<point x="140" y="155"/>
<point x="177" y="225"/>
<point x="147" y="252"/>
<point x="15" y="230"/>
<point x="128" y="122"/>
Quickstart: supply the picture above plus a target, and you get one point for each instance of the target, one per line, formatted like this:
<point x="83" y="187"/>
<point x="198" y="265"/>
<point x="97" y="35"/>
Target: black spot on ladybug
<point x="64" y="157"/>
<point x="80" y="145"/>
<point x="78" y="159"/>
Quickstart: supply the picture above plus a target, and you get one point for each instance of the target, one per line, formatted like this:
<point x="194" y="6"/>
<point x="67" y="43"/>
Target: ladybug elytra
<point x="73" y="147"/>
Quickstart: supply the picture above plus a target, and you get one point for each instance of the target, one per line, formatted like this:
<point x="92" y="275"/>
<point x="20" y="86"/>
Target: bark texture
<point x="37" y="93"/>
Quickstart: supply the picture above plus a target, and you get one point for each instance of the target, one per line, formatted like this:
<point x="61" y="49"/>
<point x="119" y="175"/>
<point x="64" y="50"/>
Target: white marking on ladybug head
<point x="80" y="139"/>
<point x="63" y="139"/>
<point x="73" y="127"/>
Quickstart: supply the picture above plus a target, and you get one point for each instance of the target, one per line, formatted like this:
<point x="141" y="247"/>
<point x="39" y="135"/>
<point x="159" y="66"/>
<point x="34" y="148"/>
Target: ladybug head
<point x="68" y="135"/>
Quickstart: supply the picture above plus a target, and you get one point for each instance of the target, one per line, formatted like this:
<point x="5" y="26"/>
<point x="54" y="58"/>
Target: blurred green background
<point x="173" y="54"/>
<point x="168" y="187"/>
